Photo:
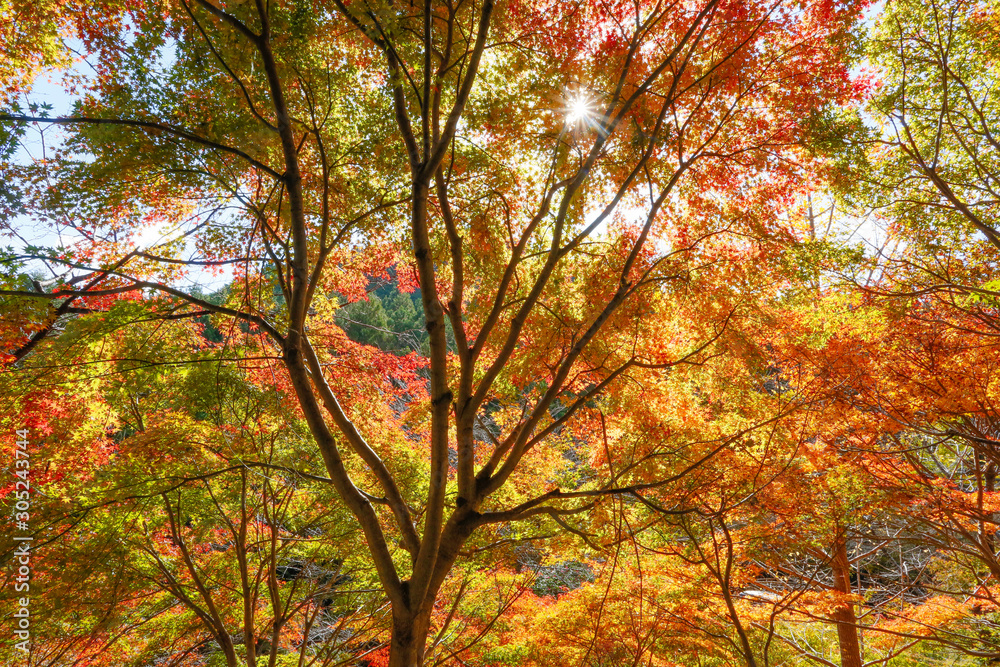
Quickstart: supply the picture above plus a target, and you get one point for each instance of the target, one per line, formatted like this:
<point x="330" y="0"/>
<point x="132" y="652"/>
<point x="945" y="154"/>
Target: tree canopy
<point x="462" y="332"/>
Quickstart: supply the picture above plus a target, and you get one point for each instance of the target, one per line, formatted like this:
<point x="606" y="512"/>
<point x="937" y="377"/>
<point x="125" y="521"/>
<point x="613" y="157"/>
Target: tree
<point x="305" y="145"/>
<point x="931" y="165"/>
<point x="908" y="413"/>
<point x="939" y="103"/>
<point x="179" y="516"/>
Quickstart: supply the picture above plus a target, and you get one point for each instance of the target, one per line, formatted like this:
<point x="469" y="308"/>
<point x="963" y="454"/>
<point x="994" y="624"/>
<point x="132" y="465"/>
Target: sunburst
<point x="579" y="109"/>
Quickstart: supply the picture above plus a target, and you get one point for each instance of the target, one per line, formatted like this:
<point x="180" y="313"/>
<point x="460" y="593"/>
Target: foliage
<point x="502" y="333"/>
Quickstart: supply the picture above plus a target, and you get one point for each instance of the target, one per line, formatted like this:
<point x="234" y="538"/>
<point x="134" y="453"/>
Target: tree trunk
<point x="411" y="625"/>
<point x="228" y="650"/>
<point x="847" y="629"/>
<point x="988" y="520"/>
<point x="409" y="637"/>
<point x="741" y="632"/>
<point x="724" y="577"/>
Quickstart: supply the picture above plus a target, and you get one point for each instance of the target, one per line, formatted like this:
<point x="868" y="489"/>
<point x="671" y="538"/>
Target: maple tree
<point x="938" y="154"/>
<point x="666" y="96"/>
<point x="191" y="518"/>
<point x="495" y="276"/>
<point x="926" y="446"/>
<point x="923" y="388"/>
